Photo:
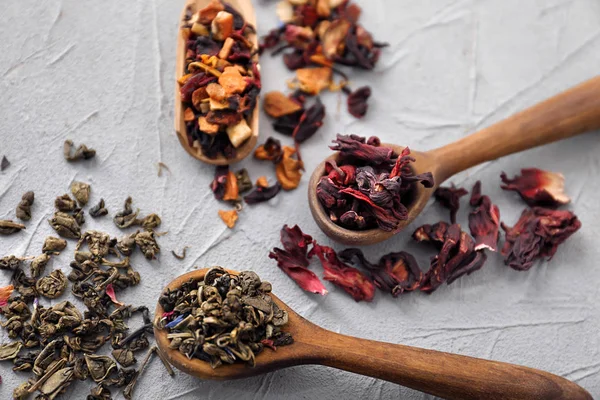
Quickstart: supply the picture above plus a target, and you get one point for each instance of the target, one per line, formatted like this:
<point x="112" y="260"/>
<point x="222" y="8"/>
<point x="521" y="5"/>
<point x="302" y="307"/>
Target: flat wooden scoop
<point x="450" y="376"/>
<point x="567" y="114"/>
<point x="245" y="8"/>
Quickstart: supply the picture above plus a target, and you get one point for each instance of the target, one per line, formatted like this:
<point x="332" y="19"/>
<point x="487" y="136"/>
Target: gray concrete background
<point x="102" y="73"/>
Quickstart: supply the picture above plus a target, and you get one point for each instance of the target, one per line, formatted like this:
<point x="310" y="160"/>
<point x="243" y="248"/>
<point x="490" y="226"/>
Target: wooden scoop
<point x="450" y="376"/>
<point x="567" y="114"/>
<point x="245" y="8"/>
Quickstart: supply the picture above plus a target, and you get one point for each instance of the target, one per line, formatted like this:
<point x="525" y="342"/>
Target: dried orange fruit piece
<point x="232" y="81"/>
<point x="288" y="170"/>
<point x="229" y="217"/>
<point x="232" y="191"/>
<point x="313" y="80"/>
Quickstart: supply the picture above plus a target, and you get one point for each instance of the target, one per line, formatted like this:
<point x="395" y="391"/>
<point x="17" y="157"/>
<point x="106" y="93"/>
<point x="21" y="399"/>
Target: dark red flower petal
<point x="396" y="272"/>
<point x="357" y="101"/>
<point x="456" y="258"/>
<point x="310" y="121"/>
<point x="261" y="194"/>
<point x="218" y="183"/>
<point x="449" y="197"/>
<point x="538" y="187"/>
<point x="350" y="279"/>
<point x="354" y="147"/>
<point x="537" y="234"/>
<point x="484" y="221"/>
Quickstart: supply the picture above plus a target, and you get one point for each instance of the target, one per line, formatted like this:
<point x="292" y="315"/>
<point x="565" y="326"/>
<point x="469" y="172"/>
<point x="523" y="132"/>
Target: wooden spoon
<point x="567" y="114"/>
<point x="245" y="8"/>
<point x="450" y="376"/>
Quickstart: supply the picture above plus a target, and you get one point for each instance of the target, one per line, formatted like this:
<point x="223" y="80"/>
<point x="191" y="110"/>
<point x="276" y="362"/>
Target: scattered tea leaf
<point x="98" y="210"/>
<point x="8" y="227"/>
<point x="4" y="163"/>
<point x="81" y="192"/>
<point x="81" y="153"/>
<point x="24" y="208"/>
<point x="182" y="255"/>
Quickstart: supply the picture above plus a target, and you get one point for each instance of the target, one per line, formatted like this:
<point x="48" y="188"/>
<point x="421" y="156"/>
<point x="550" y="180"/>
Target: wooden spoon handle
<point x="567" y="114"/>
<point x="449" y="376"/>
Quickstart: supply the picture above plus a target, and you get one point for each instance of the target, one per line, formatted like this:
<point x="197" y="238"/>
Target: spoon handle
<point x="567" y="114"/>
<point x="449" y="376"/>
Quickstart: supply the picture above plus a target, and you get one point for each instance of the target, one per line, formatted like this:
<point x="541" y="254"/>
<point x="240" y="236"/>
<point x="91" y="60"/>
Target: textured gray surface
<point x="102" y="73"/>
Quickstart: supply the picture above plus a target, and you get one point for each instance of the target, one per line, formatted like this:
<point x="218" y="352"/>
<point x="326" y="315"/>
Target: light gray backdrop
<point x="102" y="73"/>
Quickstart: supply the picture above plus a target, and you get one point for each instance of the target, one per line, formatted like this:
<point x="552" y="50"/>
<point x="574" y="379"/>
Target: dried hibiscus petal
<point x="538" y="187"/>
<point x="289" y="169"/>
<point x="271" y="150"/>
<point x="484" y="221"/>
<point x="537" y="234"/>
<point x="396" y="272"/>
<point x="354" y="147"/>
<point x="287" y="124"/>
<point x="261" y="194"/>
<point x="350" y="279"/>
<point x="449" y="197"/>
<point x="310" y="121"/>
<point x="357" y="101"/>
<point x="293" y="259"/>
<point x="457" y="255"/>
<point x="219" y="182"/>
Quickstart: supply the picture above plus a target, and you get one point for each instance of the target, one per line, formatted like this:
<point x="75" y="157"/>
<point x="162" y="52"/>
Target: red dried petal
<point x="261" y="194"/>
<point x="457" y="255"/>
<point x="193" y="83"/>
<point x="538" y="187"/>
<point x="304" y="277"/>
<point x="357" y="101"/>
<point x="449" y="197"/>
<point x="484" y="221"/>
<point x="310" y="121"/>
<point x="296" y="242"/>
<point x="110" y="292"/>
<point x="396" y="272"/>
<point x="354" y="147"/>
<point x="537" y="234"/>
<point x="218" y="183"/>
<point x="387" y="219"/>
<point x="350" y="279"/>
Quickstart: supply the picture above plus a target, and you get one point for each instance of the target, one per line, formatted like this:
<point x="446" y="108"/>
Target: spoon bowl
<point x="450" y="376"/>
<point x="245" y="8"/>
<point x="567" y="114"/>
<point x="417" y="201"/>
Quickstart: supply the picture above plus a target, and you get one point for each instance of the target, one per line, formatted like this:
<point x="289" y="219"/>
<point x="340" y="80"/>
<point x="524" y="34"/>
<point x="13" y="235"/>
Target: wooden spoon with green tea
<point x="450" y="376"/>
<point x="567" y="114"/>
<point x="246" y="9"/>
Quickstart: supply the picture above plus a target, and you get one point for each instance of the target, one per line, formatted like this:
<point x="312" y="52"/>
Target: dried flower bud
<point x="24" y="207"/>
<point x="81" y="192"/>
<point x="538" y="187"/>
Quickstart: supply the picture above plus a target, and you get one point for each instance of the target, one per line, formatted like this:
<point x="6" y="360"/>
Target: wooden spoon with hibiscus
<point x="450" y="376"/>
<point x="567" y="114"/>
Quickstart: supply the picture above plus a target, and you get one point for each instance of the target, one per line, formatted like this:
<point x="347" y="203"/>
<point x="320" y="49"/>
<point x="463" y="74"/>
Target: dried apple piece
<point x="222" y="26"/>
<point x="334" y="37"/>
<point x="207" y="127"/>
<point x="277" y="104"/>
<point x="313" y="80"/>
<point x="232" y="81"/>
<point x="239" y="133"/>
<point x="207" y="14"/>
